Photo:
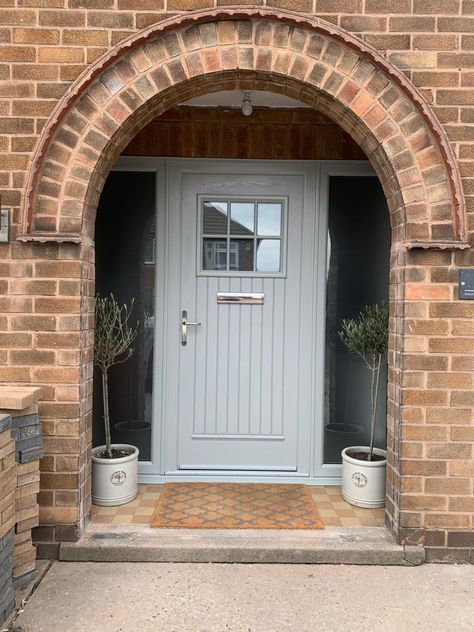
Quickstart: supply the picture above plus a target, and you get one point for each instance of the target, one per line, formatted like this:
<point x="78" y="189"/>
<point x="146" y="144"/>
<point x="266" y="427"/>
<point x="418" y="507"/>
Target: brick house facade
<point x="81" y="78"/>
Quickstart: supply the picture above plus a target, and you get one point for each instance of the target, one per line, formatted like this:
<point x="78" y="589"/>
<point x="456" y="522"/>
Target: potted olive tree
<point x="114" y="466"/>
<point x="363" y="467"/>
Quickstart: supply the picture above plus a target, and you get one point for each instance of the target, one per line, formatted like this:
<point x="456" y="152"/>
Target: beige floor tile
<point x="334" y="511"/>
<point x="150" y="496"/>
<point x="144" y="511"/>
<point x="320" y="504"/>
<point x="122" y="519"/>
<point x="332" y="522"/>
<point x="104" y="519"/>
<point x="126" y="510"/>
<point x="349" y="522"/>
<point x="346" y="513"/>
<point x="339" y="504"/>
<point x="326" y="513"/>
<point x="149" y="503"/>
<point x="104" y="511"/>
<point x="140" y="520"/>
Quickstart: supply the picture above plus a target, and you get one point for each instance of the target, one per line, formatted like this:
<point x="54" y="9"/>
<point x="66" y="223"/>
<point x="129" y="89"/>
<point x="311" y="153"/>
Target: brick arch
<point x="206" y="51"/>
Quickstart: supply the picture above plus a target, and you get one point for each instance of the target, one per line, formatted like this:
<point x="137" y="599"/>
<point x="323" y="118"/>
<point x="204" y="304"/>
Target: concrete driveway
<point x="143" y="597"/>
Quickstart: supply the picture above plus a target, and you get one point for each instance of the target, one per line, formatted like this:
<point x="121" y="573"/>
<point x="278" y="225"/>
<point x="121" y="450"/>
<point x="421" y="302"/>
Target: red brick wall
<point x="45" y="316"/>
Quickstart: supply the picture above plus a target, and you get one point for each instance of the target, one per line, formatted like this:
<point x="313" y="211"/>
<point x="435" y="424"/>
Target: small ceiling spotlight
<point x="247" y="108"/>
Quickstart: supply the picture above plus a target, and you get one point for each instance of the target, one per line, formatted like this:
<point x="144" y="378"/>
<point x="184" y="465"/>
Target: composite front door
<point x="239" y="303"/>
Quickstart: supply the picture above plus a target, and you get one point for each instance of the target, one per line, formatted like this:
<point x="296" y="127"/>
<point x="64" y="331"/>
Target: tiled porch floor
<point x="334" y="511"/>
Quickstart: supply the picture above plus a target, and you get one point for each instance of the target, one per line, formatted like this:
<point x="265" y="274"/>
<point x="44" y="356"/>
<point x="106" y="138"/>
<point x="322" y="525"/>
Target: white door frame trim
<point x="321" y="474"/>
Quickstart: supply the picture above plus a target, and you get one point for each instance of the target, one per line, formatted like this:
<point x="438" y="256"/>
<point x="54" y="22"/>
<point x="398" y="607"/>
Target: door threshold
<point x="333" y="545"/>
<point x="236" y="477"/>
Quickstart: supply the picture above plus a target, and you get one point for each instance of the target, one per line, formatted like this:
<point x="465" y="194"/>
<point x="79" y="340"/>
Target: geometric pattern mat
<point x="235" y="506"/>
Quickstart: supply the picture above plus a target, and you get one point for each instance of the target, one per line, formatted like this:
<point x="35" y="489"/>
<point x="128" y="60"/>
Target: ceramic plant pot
<point x="114" y="481"/>
<point x="363" y="482"/>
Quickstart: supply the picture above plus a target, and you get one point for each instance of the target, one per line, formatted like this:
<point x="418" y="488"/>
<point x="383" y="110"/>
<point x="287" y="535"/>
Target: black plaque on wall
<point x="466" y="284"/>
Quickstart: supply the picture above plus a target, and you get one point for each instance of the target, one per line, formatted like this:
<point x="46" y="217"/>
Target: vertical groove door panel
<point x="238" y="395"/>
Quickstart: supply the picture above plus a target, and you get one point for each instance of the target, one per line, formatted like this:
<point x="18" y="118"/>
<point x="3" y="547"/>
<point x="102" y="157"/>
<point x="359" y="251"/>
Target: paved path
<point x="144" y="597"/>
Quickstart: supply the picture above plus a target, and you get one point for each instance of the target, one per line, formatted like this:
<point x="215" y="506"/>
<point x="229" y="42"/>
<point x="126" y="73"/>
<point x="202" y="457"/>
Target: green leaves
<point x="367" y="335"/>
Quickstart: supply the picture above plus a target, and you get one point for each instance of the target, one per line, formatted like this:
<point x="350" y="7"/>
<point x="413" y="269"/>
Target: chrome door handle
<point x="185" y="323"/>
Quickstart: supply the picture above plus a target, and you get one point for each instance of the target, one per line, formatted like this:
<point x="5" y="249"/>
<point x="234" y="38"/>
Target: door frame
<point x="152" y="471"/>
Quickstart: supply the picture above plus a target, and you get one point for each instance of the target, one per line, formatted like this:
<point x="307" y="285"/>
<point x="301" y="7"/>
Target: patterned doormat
<point x="235" y="506"/>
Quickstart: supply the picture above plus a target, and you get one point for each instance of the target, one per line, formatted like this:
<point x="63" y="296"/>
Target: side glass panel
<point x="357" y="275"/>
<point x="125" y="266"/>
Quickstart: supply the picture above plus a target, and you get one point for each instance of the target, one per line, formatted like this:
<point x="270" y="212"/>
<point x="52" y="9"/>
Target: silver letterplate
<point x="241" y="298"/>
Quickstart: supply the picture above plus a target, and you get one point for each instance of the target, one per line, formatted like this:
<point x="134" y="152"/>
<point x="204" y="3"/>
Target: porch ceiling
<point x="233" y="99"/>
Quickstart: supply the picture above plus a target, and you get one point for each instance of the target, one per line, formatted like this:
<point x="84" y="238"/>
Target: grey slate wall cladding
<point x="7" y="592"/>
<point x="5" y="422"/>
<point x="28" y="438"/>
<point x="26" y="431"/>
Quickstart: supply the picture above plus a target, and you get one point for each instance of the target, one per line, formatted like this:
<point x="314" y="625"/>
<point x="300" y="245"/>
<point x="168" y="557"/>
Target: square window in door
<point x="242" y="236"/>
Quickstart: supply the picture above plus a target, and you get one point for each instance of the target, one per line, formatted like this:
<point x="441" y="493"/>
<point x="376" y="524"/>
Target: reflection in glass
<point x="268" y="255"/>
<point x="241" y="255"/>
<point x="215" y="218"/>
<point x="242" y="218"/>
<point x="357" y="275"/>
<point x="214" y="254"/>
<point x="125" y="265"/>
<point x="269" y="219"/>
<point x="242" y="236"/>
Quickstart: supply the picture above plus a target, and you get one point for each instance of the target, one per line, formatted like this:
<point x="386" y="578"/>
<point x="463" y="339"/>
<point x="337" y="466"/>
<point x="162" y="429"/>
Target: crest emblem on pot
<point x="118" y="478"/>
<point x="359" y="479"/>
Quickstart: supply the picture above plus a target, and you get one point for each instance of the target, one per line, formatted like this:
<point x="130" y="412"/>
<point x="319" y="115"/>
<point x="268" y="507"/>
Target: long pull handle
<point x="185" y="323"/>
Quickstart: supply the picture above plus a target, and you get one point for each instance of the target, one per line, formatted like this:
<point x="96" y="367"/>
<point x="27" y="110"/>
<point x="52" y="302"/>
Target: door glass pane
<point x="242" y="218"/>
<point x="241" y="255"/>
<point x="268" y="255"/>
<point x="269" y="219"/>
<point x="214" y="254"/>
<point x="357" y="275"/>
<point x="229" y="239"/>
<point x="125" y="265"/>
<point x="215" y="219"/>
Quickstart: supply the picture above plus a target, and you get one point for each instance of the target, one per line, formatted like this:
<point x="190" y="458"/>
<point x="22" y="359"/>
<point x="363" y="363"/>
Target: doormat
<point x="235" y="506"/>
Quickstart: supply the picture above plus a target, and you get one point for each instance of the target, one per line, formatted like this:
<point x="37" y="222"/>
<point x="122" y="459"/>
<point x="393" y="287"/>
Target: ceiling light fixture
<point x="247" y="108"/>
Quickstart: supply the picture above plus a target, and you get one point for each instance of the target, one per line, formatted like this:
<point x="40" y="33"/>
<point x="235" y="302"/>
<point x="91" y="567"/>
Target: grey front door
<point x="238" y="388"/>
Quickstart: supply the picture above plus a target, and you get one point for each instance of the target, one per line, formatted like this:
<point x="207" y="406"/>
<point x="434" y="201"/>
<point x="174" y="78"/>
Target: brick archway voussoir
<point x="260" y="49"/>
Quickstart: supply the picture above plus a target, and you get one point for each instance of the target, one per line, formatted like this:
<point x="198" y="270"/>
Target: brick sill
<point x="436" y="245"/>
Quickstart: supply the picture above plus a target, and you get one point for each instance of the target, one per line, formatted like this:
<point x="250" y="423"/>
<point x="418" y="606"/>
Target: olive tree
<point x="366" y="336"/>
<point x="113" y="337"/>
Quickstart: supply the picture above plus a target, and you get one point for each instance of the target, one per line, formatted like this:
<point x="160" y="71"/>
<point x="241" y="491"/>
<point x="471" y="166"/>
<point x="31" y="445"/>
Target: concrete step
<point x="333" y="545"/>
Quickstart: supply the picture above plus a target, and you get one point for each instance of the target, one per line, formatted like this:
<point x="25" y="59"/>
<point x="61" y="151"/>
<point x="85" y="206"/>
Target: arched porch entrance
<point x="203" y="52"/>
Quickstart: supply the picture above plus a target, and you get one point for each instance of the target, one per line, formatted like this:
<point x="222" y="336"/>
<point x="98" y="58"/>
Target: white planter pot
<point x="114" y="481"/>
<point x="363" y="482"/>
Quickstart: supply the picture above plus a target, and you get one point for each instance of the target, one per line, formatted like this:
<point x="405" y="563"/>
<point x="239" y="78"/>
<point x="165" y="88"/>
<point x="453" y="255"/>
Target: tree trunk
<point x="105" y="393"/>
